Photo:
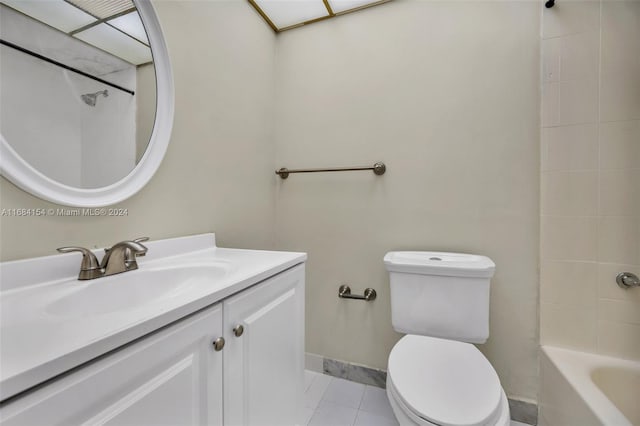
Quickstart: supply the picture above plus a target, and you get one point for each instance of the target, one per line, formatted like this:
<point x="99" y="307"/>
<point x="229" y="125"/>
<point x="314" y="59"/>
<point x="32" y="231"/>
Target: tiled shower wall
<point x="590" y="185"/>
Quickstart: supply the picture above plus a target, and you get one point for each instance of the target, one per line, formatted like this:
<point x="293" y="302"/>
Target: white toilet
<point x="435" y="376"/>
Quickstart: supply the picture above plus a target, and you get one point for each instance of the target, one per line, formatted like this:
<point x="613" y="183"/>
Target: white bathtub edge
<point x="576" y="368"/>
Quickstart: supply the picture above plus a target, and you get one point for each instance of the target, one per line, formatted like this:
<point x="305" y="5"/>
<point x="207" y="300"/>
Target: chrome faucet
<point x="627" y="280"/>
<point x="124" y="256"/>
<point x="117" y="259"/>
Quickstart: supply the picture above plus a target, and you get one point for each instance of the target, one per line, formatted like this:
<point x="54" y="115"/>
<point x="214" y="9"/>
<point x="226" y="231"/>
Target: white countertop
<point x="38" y="343"/>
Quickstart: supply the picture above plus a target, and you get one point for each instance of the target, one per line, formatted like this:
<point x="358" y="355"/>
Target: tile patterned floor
<point x="329" y="401"/>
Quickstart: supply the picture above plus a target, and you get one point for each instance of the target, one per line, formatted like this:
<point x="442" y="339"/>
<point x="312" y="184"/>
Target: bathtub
<point x="579" y="388"/>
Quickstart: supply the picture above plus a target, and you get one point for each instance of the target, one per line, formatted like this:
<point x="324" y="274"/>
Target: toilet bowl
<point x="432" y="381"/>
<point x="435" y="376"/>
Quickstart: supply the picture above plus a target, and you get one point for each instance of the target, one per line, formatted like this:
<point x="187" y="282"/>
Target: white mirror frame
<point x="23" y="175"/>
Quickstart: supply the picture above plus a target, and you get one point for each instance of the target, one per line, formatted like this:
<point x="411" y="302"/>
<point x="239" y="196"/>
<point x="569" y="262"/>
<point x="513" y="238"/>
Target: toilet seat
<point x="444" y="382"/>
<point x="406" y="417"/>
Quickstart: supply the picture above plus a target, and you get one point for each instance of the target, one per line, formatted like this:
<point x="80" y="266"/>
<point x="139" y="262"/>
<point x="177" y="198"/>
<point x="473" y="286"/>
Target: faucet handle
<point x="89" y="266"/>
<point x="137" y="240"/>
<point x="89" y="260"/>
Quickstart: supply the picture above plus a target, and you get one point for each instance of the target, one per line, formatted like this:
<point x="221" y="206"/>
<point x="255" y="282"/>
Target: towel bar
<point x="379" y="168"/>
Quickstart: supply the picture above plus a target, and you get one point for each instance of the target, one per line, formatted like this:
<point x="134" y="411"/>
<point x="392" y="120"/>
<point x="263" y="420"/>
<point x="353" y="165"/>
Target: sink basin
<point x="135" y="289"/>
<point x="51" y="323"/>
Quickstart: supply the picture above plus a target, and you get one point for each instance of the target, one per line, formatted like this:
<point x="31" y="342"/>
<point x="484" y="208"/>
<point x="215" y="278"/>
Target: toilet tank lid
<point x="439" y="263"/>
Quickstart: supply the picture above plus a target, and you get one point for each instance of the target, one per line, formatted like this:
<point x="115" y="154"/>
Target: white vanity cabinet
<point x="173" y="377"/>
<point x="176" y="376"/>
<point x="264" y="363"/>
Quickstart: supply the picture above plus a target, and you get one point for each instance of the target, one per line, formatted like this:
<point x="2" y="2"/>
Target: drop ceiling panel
<point x="342" y="5"/>
<point x="103" y="8"/>
<point x="56" y="13"/>
<point x="284" y="13"/>
<point x="115" y="42"/>
<point x="132" y="25"/>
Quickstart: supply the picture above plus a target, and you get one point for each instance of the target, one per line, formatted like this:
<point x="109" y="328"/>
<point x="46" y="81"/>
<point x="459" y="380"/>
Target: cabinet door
<point x="172" y="377"/>
<point x="264" y="367"/>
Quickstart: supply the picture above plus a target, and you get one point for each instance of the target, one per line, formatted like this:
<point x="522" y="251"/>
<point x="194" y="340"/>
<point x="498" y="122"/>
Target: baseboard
<point x="523" y="411"/>
<point x="355" y="373"/>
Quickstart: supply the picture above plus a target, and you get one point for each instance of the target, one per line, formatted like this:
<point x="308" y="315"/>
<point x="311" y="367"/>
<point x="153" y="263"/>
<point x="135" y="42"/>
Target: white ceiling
<point x="284" y="13"/>
<point x="111" y="25"/>
<point x="289" y="13"/>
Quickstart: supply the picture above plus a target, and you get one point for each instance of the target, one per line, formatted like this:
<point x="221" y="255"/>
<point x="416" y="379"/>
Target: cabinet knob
<point x="218" y="344"/>
<point x="238" y="330"/>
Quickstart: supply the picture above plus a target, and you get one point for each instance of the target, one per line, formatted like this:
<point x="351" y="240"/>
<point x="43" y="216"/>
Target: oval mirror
<point x="86" y="98"/>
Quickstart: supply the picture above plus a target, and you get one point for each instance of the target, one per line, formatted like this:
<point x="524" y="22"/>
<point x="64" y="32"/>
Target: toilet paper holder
<point x="369" y="295"/>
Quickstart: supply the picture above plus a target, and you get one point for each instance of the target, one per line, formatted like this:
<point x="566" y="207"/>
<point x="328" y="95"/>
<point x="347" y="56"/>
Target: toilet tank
<point x="440" y="294"/>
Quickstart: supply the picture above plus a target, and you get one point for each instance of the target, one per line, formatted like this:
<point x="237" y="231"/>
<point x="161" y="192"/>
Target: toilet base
<point x="407" y="418"/>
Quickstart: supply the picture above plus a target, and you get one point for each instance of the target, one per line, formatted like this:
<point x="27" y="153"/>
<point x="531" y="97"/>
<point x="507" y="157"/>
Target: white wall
<point x="46" y="133"/>
<point x="108" y="136"/>
<point x="447" y="95"/>
<point x="591" y="176"/>
<point x="218" y="171"/>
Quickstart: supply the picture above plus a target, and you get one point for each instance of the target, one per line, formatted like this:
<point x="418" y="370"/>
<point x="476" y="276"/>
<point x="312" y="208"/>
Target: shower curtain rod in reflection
<point x="67" y="67"/>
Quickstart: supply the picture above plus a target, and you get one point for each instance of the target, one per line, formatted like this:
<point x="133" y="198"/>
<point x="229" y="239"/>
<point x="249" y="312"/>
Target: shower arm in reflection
<point x="91" y="98"/>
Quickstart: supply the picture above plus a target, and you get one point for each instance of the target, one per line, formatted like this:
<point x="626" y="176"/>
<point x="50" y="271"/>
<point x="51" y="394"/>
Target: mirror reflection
<point x="77" y="88"/>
